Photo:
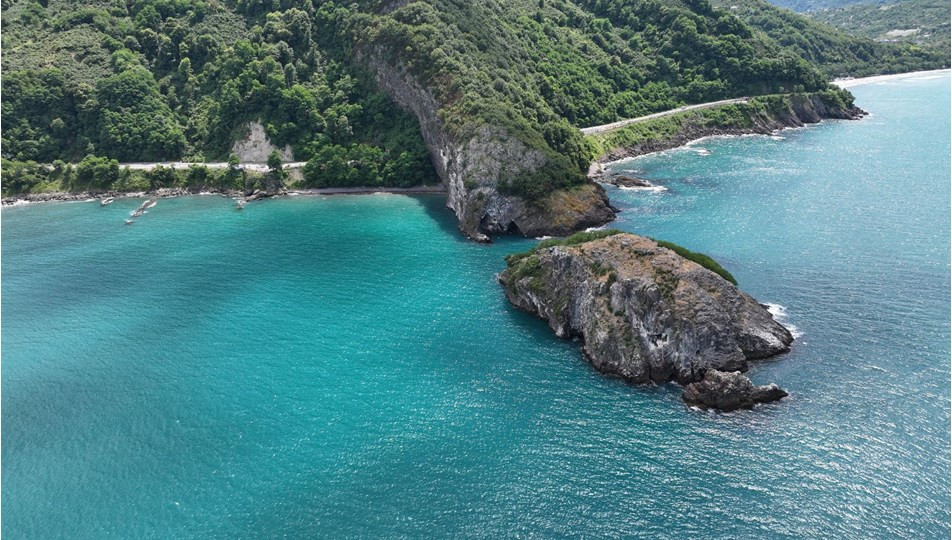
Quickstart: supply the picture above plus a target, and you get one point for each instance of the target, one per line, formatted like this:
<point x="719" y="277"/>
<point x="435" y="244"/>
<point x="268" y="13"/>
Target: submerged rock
<point x="629" y="181"/>
<point x="644" y="312"/>
<point x="729" y="391"/>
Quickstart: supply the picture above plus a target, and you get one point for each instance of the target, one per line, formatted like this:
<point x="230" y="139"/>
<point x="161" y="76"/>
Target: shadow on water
<point x="435" y="207"/>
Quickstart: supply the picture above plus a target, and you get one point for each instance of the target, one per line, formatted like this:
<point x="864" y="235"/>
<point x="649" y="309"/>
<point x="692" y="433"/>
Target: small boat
<point x="130" y="221"/>
<point x="107" y="200"/>
<point x="240" y="204"/>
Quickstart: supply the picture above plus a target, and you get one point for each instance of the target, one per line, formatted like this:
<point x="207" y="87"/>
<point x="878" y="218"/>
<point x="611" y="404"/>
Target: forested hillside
<point x="923" y="22"/>
<point x="167" y="79"/>
<point x="164" y="79"/>
<point x="839" y="54"/>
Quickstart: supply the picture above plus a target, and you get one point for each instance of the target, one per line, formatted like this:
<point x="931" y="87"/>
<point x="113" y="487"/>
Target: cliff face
<point x="471" y="167"/>
<point x="797" y="110"/>
<point x="644" y="312"/>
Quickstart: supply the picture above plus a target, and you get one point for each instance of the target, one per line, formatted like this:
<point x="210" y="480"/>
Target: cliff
<point x="644" y="312"/>
<point x="472" y="165"/>
<point x="761" y="115"/>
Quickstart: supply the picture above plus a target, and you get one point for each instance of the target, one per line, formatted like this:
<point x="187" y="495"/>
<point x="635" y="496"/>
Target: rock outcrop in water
<point x="729" y="391"/>
<point x="644" y="312"/>
<point x="472" y="166"/>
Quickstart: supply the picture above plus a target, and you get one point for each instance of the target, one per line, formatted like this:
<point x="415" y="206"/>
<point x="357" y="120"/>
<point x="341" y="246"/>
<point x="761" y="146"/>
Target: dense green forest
<point x="156" y="80"/>
<point x="143" y="80"/>
<point x="837" y="53"/>
<point x="923" y="22"/>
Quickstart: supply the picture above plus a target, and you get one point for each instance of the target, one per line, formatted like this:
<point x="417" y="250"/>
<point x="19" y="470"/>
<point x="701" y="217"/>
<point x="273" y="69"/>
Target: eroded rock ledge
<point x="644" y="312"/>
<point x="472" y="166"/>
<point x="729" y="391"/>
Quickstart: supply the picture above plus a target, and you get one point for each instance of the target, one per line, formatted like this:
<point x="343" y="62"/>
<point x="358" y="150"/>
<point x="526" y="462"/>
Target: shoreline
<point x="168" y="193"/>
<point x="797" y="110"/>
<point x="600" y="166"/>
<point x="848" y="83"/>
<point x="598" y="169"/>
<point x="687" y="145"/>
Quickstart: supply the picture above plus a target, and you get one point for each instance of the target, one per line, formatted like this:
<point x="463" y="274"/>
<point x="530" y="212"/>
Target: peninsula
<point x="489" y="99"/>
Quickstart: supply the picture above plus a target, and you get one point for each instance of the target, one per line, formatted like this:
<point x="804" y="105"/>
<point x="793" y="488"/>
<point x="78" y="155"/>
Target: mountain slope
<point x="838" y="54"/>
<point x="805" y="6"/>
<point x="923" y="22"/>
<point x="494" y="91"/>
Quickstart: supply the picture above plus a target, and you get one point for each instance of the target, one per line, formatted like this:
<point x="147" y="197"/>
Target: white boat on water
<point x="130" y="221"/>
<point x="107" y="200"/>
<point x="240" y="204"/>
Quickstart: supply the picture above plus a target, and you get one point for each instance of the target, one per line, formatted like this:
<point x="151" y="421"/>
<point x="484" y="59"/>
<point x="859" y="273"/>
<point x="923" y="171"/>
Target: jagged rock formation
<point x="472" y="166"/>
<point x="729" y="391"/>
<point x="644" y="312"/>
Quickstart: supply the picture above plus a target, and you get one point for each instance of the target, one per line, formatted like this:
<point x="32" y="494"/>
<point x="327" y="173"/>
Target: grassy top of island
<point x="523" y="264"/>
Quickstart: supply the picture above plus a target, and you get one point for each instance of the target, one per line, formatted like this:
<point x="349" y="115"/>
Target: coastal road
<point x="622" y="123"/>
<point x="259" y="167"/>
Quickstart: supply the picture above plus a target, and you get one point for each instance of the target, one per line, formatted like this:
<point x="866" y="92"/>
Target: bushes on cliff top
<point x="700" y="259"/>
<point x="575" y="239"/>
<point x="526" y="263"/>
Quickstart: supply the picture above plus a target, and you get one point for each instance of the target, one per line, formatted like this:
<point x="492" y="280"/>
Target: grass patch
<point x="699" y="258"/>
<point x="575" y="239"/>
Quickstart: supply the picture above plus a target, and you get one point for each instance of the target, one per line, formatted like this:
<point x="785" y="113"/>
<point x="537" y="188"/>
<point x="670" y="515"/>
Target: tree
<point x="274" y="163"/>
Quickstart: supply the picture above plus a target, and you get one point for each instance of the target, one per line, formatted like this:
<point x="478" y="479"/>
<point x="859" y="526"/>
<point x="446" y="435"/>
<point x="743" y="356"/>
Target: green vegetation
<point x="700" y="259"/>
<point x="805" y="6"/>
<point x="573" y="240"/>
<point x="838" y="54"/>
<point x="145" y="80"/>
<point x="736" y="116"/>
<point x="151" y="80"/>
<point x="527" y="264"/>
<point x="104" y="174"/>
<point x="922" y="22"/>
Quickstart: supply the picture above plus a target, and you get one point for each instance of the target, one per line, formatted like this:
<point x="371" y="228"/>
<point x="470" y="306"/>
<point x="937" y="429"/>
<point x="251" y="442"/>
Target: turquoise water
<point x="348" y="366"/>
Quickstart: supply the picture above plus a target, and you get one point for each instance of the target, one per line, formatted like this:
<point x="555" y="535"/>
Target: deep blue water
<point x="348" y="366"/>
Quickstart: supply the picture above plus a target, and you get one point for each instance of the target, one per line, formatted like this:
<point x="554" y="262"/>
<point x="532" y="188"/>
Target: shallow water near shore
<point x="348" y="366"/>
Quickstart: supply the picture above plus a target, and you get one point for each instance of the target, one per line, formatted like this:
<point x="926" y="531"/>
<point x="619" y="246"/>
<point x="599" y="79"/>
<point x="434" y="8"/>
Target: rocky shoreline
<point x="648" y="314"/>
<point x="164" y="193"/>
<point x="803" y="111"/>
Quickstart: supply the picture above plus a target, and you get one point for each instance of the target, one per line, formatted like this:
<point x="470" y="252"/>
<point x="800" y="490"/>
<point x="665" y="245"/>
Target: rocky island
<point x="650" y="312"/>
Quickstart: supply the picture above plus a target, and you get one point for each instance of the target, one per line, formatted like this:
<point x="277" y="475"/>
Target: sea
<point x="348" y="366"/>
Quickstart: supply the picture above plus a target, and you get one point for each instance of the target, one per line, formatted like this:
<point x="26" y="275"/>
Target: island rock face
<point x="644" y="312"/>
<point x="729" y="391"/>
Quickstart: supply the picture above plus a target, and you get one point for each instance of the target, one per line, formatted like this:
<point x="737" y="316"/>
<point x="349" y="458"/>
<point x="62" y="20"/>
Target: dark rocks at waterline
<point x="628" y="182"/>
<point x="729" y="391"/>
<point x="597" y="173"/>
<point x="92" y="195"/>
